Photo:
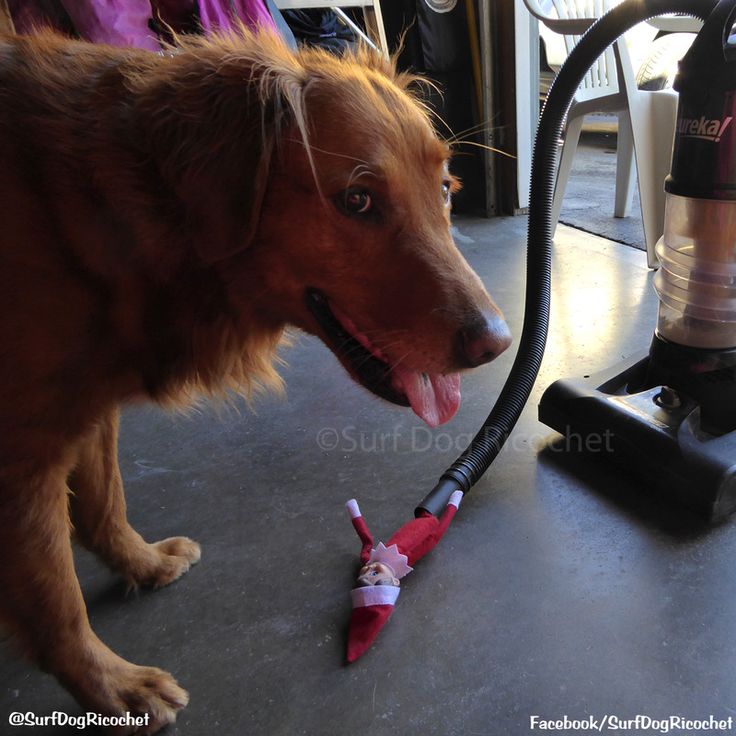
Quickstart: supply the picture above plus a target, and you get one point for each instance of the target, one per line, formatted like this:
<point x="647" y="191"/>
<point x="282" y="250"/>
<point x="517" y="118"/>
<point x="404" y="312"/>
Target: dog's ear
<point x="214" y="129"/>
<point x="223" y="195"/>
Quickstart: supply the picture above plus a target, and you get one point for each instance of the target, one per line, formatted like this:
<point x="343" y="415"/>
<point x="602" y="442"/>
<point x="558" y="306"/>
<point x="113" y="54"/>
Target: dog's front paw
<point x="166" y="561"/>
<point x="146" y="693"/>
<point x="176" y="556"/>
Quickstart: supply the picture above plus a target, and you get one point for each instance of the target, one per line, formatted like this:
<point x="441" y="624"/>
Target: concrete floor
<point x="560" y="589"/>
<point x="590" y="193"/>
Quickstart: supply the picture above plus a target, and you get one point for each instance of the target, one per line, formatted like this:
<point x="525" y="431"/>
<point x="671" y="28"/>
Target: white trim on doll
<point x="375" y="595"/>
<point x="353" y="508"/>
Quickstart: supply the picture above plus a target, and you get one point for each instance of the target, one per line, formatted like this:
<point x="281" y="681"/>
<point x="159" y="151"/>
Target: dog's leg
<point x="98" y="513"/>
<point x="42" y="602"/>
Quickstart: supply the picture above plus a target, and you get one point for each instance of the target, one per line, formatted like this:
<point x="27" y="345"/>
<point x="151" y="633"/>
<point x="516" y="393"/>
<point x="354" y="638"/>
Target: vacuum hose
<point x="489" y="440"/>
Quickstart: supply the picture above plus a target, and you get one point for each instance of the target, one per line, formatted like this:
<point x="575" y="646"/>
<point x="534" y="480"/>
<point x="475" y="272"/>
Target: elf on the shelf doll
<point x="378" y="581"/>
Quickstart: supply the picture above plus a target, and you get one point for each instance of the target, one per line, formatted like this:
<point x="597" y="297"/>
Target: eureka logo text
<point x="708" y="130"/>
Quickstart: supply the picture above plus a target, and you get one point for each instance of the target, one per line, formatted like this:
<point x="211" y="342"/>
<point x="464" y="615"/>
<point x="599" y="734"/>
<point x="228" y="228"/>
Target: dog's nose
<point x="484" y="339"/>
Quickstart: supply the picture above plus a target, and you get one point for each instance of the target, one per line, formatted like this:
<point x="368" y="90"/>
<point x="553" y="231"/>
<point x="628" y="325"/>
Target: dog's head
<point x="349" y="229"/>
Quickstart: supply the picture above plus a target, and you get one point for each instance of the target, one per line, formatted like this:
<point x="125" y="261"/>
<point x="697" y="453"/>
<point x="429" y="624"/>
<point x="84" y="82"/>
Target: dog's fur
<point x="162" y="217"/>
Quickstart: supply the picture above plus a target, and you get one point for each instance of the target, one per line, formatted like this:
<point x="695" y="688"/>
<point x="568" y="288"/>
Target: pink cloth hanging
<point x="126" y="22"/>
<point x="115" y="22"/>
<point x="220" y="14"/>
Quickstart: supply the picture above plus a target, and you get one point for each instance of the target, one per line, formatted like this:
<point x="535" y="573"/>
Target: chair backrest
<point x="603" y="73"/>
<point x="582" y="8"/>
<point x="571" y="18"/>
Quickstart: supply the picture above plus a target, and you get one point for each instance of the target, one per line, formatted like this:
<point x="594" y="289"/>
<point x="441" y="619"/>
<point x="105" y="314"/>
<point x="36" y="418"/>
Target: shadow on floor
<point x="624" y="490"/>
<point x="589" y="197"/>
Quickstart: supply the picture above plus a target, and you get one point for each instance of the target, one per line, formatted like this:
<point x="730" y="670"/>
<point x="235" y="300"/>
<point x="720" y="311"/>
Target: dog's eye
<point x="446" y="190"/>
<point x="356" y="201"/>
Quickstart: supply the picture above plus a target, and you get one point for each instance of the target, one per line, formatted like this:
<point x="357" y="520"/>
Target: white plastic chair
<point x="646" y="119"/>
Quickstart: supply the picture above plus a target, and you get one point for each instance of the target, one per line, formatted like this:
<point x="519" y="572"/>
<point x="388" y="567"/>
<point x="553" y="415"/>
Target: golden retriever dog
<point x="164" y="218"/>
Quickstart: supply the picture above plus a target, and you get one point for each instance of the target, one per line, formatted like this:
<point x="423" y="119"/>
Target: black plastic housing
<point x="704" y="155"/>
<point x="623" y="419"/>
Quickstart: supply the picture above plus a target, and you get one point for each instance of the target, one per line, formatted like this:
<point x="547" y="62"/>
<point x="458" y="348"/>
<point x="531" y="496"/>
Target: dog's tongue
<point x="433" y="397"/>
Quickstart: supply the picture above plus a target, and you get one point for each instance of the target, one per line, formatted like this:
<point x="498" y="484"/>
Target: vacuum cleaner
<point x="670" y="414"/>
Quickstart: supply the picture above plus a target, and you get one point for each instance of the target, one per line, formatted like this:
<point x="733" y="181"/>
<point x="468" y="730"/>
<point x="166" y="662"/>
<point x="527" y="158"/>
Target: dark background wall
<point x="437" y="45"/>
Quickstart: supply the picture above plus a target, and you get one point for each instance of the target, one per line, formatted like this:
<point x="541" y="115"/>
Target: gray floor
<point x="561" y="589"/>
<point x="589" y="196"/>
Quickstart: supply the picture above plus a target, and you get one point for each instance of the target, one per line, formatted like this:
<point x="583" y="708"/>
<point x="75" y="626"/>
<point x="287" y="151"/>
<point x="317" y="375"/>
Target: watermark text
<point x="80" y="722"/>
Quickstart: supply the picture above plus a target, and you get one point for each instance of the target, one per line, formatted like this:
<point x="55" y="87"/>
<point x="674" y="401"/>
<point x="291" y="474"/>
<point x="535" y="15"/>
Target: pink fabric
<point x="115" y="22"/>
<point x="125" y="22"/>
<point x="221" y="14"/>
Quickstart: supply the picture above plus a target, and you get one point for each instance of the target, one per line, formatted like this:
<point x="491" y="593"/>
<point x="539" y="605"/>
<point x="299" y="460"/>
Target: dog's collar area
<point x="370" y="371"/>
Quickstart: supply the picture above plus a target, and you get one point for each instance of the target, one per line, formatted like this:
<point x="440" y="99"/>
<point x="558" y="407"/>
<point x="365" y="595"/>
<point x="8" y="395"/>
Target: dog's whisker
<point x="389" y="345"/>
<point x="357" y="172"/>
<point x="434" y="114"/>
<point x="484" y="126"/>
<point x="385" y="346"/>
<point x="360" y="350"/>
<point x="329" y="153"/>
<point x="441" y="309"/>
<point x="378" y="333"/>
<point x="395" y="365"/>
<point x="348" y="350"/>
<point x="487" y="148"/>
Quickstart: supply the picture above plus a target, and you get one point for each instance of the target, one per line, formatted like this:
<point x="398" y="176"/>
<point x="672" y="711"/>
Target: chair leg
<point x="572" y="137"/>
<point x="625" y="171"/>
<point x="653" y="119"/>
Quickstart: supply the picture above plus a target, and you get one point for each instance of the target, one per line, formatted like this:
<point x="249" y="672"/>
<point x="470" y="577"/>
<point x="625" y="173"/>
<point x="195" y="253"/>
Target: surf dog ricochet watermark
<point x="610" y="723"/>
<point x="401" y="439"/>
<point x="80" y="722"/>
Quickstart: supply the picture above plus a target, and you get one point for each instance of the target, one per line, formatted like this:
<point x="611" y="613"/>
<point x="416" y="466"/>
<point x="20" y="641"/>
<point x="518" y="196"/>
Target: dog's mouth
<point x="434" y="397"/>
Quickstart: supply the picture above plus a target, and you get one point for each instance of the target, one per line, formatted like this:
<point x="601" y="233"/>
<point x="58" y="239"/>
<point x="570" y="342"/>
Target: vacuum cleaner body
<point x="671" y="415"/>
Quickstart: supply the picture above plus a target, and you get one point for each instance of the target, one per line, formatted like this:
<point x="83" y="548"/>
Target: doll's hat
<point x="372" y="607"/>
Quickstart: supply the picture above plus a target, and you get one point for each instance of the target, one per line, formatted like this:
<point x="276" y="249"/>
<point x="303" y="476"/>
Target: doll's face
<point x="376" y="573"/>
